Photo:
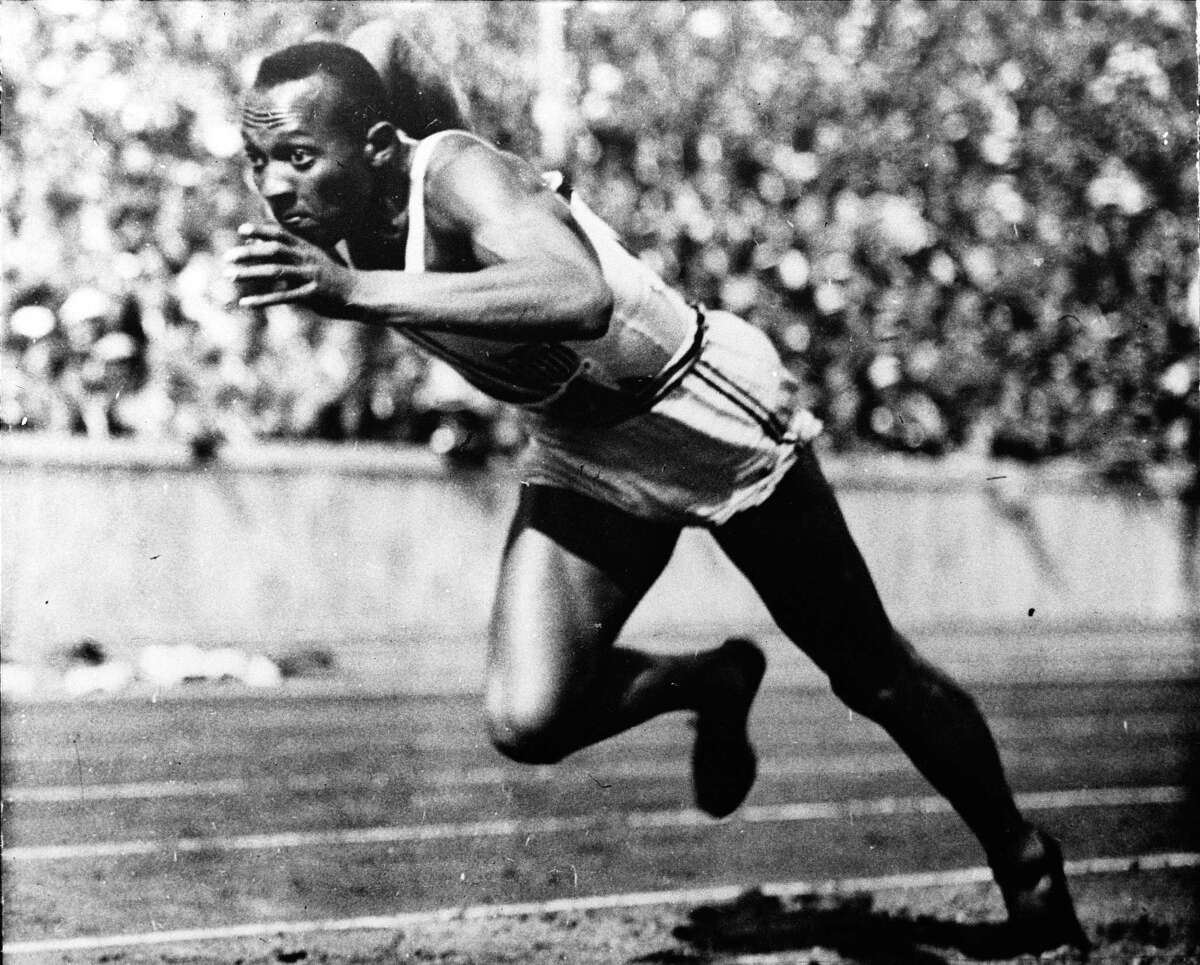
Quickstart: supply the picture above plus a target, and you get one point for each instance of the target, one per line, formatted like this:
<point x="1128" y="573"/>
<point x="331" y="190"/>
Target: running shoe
<point x="1041" y="915"/>
<point x="724" y="764"/>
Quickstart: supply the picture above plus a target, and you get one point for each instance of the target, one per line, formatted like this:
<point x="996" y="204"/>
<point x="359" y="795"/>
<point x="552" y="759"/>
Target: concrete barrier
<point x="361" y="547"/>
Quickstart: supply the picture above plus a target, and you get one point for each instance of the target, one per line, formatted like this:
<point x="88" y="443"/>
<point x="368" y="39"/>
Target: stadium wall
<point x="273" y="548"/>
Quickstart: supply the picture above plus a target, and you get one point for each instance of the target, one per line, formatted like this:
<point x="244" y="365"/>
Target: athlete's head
<point x="422" y="97"/>
<point x="317" y="141"/>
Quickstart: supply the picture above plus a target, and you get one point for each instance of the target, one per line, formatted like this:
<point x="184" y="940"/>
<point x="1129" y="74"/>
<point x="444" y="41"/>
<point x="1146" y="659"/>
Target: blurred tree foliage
<point x="966" y="224"/>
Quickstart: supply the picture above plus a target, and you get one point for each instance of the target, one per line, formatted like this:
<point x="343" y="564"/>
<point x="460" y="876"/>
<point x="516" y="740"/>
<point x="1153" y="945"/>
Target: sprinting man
<point x="646" y="414"/>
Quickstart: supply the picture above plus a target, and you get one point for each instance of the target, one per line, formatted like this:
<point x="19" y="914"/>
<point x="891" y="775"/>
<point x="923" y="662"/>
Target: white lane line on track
<point x="469" y="777"/>
<point x="688" y="818"/>
<point x="809" y="733"/>
<point x="645" y="899"/>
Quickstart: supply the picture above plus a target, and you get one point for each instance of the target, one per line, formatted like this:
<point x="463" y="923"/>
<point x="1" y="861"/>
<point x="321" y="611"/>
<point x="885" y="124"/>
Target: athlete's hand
<point x="274" y="267"/>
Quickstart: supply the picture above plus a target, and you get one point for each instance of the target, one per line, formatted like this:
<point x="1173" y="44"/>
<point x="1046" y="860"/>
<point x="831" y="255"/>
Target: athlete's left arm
<point x="536" y="279"/>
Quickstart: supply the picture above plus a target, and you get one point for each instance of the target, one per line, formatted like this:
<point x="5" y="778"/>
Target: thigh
<point x="572" y="572"/>
<point x="797" y="551"/>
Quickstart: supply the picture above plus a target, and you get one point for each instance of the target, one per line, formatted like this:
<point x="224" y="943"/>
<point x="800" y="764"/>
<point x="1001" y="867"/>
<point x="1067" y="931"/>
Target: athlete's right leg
<point x="573" y="570"/>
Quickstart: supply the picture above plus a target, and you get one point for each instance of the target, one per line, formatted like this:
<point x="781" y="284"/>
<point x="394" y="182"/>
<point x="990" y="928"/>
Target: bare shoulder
<point x="467" y="178"/>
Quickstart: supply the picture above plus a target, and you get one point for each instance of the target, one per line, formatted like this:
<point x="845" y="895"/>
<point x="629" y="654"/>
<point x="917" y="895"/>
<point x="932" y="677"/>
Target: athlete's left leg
<point x="573" y="571"/>
<point x="797" y="551"/>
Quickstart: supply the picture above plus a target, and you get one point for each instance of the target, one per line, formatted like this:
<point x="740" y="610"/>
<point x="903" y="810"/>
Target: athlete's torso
<point x="651" y="326"/>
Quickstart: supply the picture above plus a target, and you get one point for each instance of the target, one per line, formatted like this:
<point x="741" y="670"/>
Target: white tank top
<point x="651" y="333"/>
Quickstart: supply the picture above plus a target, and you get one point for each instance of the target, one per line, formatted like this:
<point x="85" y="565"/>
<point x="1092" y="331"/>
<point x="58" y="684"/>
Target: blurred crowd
<point x="966" y="226"/>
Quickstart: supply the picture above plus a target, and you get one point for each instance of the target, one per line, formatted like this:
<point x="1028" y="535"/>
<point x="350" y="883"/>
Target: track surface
<point x="208" y="809"/>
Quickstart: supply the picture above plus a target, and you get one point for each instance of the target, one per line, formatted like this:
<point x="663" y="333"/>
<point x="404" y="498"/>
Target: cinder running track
<point x="207" y="811"/>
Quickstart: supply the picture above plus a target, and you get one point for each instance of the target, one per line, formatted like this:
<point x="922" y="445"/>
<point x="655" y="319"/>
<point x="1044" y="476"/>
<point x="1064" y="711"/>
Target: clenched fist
<point x="273" y="267"/>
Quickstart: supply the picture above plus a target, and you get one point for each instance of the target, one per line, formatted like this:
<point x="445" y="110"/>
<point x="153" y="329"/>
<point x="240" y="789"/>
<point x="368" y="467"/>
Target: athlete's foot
<point x="1041" y="915"/>
<point x="724" y="764"/>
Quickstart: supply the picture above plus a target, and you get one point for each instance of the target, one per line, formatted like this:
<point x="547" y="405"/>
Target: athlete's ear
<point x="383" y="145"/>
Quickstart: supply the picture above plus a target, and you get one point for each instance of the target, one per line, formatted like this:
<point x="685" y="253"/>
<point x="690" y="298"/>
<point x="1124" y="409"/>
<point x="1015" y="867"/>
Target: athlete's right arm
<point x="528" y="274"/>
<point x="523" y="274"/>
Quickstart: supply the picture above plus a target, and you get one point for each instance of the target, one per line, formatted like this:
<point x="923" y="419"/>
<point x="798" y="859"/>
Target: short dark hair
<point x="350" y="70"/>
<point x="422" y="97"/>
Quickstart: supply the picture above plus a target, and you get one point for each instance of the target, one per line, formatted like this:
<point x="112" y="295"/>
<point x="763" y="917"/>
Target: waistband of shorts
<point x="684" y="361"/>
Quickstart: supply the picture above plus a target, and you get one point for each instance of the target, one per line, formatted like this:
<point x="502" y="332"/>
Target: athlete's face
<point x="311" y="170"/>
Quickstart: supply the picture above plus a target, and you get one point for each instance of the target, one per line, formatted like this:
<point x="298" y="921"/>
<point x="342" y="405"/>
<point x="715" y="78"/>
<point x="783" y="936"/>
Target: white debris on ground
<point x="104" y="678"/>
<point x="86" y="669"/>
<point x="169" y="666"/>
<point x="17" y="680"/>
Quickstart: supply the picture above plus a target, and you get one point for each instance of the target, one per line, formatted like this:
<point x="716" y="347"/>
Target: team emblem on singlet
<point x="544" y="365"/>
<point x="524" y="374"/>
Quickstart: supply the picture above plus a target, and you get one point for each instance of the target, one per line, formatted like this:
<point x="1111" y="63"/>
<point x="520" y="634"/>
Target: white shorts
<point x="718" y="443"/>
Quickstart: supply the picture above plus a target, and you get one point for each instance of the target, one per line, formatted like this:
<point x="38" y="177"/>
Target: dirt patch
<point x="1149" y="919"/>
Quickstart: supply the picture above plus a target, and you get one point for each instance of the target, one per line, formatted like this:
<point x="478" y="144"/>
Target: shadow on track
<point x="849" y="925"/>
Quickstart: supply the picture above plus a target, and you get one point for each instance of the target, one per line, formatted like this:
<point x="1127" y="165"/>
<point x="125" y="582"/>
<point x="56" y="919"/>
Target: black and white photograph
<point x="680" y="482"/>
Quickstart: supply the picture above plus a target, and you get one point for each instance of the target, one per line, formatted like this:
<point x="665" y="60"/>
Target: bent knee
<point x="527" y="730"/>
